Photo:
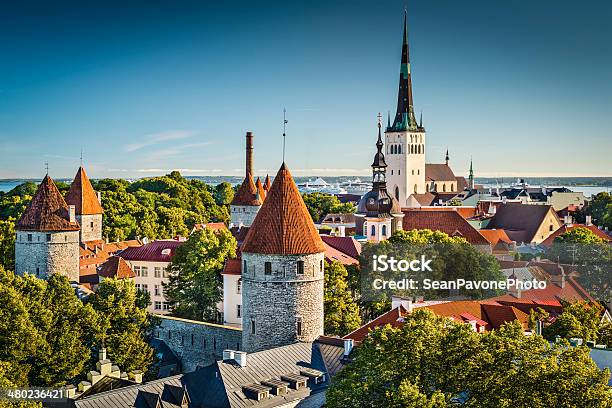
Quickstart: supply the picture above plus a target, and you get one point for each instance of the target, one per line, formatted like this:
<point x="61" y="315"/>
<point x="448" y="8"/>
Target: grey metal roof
<point x="220" y="384"/>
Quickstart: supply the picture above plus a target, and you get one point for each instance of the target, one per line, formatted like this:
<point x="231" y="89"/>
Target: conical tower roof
<point x="267" y="183"/>
<point x="247" y="193"/>
<point x="48" y="211"/>
<point x="83" y="196"/>
<point x="260" y="189"/>
<point x="283" y="225"/>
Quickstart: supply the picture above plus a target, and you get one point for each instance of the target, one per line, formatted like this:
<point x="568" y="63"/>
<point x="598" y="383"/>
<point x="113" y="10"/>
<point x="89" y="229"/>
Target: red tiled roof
<point x="449" y="222"/>
<point x="465" y="212"/>
<point x="497" y="315"/>
<point x="438" y="172"/>
<point x="567" y="228"/>
<point x="283" y="225"/>
<point x="215" y="226"/>
<point x="239" y="233"/>
<point x="260" y="189"/>
<point x="116" y="267"/>
<point x="334" y="255"/>
<point x="232" y="266"/>
<point x="83" y="196"/>
<point x="552" y="295"/>
<point x="247" y="193"/>
<point x="94" y="253"/>
<point x="47" y="211"/>
<point x="462" y="183"/>
<point x="424" y="199"/>
<point x="347" y="245"/>
<point x="393" y="317"/>
<point x="152" y="252"/>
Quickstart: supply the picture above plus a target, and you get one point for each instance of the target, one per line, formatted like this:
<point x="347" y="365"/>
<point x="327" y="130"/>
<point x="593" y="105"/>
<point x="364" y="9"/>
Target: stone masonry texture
<point x="277" y="301"/>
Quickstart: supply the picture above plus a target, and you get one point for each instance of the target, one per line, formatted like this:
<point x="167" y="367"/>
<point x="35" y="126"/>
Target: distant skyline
<point x="523" y="88"/>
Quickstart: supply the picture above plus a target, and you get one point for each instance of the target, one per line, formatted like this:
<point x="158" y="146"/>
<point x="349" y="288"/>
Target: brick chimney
<point x="249" y="153"/>
<point x="72" y="213"/>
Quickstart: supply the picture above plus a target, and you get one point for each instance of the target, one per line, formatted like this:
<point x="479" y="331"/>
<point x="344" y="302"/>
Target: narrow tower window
<point x="396" y="193"/>
<point x="300" y="267"/>
<point x="299" y="325"/>
<point x="373" y="231"/>
<point x="268" y="268"/>
<point x="239" y="286"/>
<point x="384" y="230"/>
<point x="252" y="326"/>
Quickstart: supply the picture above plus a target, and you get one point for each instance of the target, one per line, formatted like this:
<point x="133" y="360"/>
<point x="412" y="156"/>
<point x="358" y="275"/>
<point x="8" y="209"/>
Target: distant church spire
<point x="404" y="117"/>
<point x="447" y="158"/>
<point x="471" y="176"/>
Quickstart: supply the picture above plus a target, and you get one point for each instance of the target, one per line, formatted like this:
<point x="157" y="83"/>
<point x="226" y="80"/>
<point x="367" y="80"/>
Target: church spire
<point x="447" y="158"/>
<point x="471" y="176"/>
<point x="404" y="118"/>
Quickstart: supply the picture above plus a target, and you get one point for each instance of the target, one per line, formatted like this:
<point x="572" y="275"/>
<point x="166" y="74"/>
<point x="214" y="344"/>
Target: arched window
<point x="239" y="286"/>
<point x="391" y="171"/>
<point x="444" y="187"/>
<point x="396" y="192"/>
<point x="384" y="231"/>
<point x="399" y="172"/>
<point x="415" y="189"/>
<point x="399" y="149"/>
<point x="373" y="230"/>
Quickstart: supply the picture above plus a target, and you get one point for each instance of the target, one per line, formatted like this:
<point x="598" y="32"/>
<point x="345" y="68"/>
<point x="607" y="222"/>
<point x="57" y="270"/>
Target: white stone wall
<point x="278" y="301"/>
<point x="243" y="214"/>
<point x="232" y="298"/>
<point x="405" y="171"/>
<point x="373" y="227"/>
<point x="91" y="227"/>
<point x="46" y="253"/>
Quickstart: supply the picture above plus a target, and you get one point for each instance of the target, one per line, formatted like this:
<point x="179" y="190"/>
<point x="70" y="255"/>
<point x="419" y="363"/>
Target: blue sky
<point x="523" y="87"/>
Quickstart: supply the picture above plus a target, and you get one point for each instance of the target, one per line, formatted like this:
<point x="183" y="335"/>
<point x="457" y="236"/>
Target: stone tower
<point x="47" y="235"/>
<point x="247" y="201"/>
<point x="282" y="271"/>
<point x="405" y="138"/>
<point x="378" y="214"/>
<point x="87" y="205"/>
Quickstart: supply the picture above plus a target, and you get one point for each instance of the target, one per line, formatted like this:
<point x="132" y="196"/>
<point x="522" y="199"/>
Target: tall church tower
<point x="405" y="139"/>
<point x="87" y="205"/>
<point x="282" y="271"/>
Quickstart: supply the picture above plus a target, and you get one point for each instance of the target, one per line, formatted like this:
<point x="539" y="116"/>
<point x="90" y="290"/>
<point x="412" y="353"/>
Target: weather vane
<point x="284" y="131"/>
<point x="379" y="120"/>
<point x="47" y="167"/>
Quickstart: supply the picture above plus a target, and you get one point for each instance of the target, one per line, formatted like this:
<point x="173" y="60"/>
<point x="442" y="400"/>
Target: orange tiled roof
<point x="494" y="236"/>
<point x="215" y="226"/>
<point x="260" y="189"/>
<point x="334" y="255"/>
<point x="283" y="225"/>
<point x="247" y="193"/>
<point x="116" y="267"/>
<point x="47" y="211"/>
<point x="233" y="266"/>
<point x="83" y="196"/>
<point x="465" y="212"/>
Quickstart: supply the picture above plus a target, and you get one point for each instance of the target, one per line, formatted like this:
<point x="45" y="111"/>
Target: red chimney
<point x="249" y="153"/>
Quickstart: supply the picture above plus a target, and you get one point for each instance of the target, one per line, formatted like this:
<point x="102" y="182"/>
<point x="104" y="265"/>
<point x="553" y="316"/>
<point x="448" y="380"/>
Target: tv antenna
<point x="284" y="131"/>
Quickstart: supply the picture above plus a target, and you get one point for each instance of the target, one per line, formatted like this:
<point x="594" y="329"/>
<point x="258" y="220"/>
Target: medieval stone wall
<point x="46" y="253"/>
<point x="197" y="343"/>
<point x="91" y="227"/>
<point x="243" y="214"/>
<point x="281" y="302"/>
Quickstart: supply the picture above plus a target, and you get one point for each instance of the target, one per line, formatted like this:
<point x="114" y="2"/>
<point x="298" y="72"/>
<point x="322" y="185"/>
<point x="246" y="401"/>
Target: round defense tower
<point x="47" y="235"/>
<point x="282" y="271"/>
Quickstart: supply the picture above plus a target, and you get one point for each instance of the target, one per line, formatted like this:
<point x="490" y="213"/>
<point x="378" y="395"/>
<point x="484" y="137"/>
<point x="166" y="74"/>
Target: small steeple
<point x="471" y="176"/>
<point x="447" y="158"/>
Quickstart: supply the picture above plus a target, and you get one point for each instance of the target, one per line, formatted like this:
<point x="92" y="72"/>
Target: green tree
<point x="341" y="311"/>
<point x="600" y="208"/>
<point x="7" y="243"/>
<point x="321" y="204"/>
<point x="580" y="320"/>
<point x="194" y="287"/>
<point x="224" y="193"/>
<point x="125" y="325"/>
<point x="435" y="362"/>
<point x="591" y="256"/>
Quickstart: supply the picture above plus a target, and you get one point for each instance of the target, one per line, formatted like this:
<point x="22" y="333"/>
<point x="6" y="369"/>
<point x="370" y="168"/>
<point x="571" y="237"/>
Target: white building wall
<point x="406" y="170"/>
<point x="243" y="214"/>
<point x="232" y="298"/>
<point x="150" y="276"/>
